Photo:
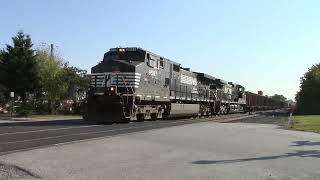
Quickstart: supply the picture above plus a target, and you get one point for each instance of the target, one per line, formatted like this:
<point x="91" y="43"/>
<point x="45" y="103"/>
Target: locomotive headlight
<point x="112" y="89"/>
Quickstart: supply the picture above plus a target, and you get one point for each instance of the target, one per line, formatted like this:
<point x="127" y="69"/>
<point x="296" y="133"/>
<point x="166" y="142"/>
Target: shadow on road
<point x="309" y="153"/>
<point x="8" y="171"/>
<point x="275" y="113"/>
<point x="68" y="122"/>
<point x="305" y="143"/>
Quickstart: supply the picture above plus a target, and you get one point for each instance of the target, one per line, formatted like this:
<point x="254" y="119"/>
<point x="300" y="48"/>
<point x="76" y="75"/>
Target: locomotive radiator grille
<point x="120" y="80"/>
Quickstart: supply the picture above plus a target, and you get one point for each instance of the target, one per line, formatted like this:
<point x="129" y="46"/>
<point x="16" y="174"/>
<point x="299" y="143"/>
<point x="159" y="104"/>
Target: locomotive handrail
<point x="127" y="85"/>
<point x="106" y="79"/>
<point x="95" y="82"/>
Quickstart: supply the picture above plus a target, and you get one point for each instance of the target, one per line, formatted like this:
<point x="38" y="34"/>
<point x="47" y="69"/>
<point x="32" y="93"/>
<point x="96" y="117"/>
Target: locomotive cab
<point x="114" y="77"/>
<point x="117" y="72"/>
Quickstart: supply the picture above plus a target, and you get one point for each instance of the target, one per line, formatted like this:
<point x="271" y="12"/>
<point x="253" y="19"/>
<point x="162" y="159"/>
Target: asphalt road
<point x="17" y="136"/>
<point x="206" y="150"/>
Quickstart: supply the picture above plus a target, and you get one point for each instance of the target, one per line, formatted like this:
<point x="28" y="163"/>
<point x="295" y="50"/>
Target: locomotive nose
<point x="110" y="83"/>
<point x="105" y="109"/>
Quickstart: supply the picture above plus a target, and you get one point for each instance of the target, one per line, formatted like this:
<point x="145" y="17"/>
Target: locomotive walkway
<point x="17" y="136"/>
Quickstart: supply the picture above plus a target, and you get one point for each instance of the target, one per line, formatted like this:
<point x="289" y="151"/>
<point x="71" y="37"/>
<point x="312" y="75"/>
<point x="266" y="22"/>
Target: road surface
<point x="205" y="150"/>
<point x="15" y="136"/>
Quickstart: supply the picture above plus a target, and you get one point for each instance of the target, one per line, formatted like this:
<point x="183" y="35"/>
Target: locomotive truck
<point x="135" y="84"/>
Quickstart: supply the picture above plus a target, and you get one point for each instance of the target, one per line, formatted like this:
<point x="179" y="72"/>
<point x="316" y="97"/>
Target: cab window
<point x="151" y="60"/>
<point x="176" y="68"/>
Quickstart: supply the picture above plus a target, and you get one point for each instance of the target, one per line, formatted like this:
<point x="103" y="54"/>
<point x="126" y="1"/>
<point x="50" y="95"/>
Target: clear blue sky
<point x="263" y="45"/>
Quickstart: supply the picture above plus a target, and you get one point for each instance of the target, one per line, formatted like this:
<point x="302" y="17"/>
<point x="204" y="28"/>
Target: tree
<point x="53" y="86"/>
<point x="59" y="81"/>
<point x="308" y="98"/>
<point x="279" y="97"/>
<point x="2" y="88"/>
<point x="77" y="80"/>
<point x="1" y="56"/>
<point x="19" y="67"/>
<point x="78" y="84"/>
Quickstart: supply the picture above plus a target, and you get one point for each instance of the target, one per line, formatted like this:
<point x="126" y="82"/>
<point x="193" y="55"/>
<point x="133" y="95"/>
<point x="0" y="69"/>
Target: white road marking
<point x="52" y="129"/>
<point x="75" y="141"/>
<point x="96" y="132"/>
<point x="196" y="120"/>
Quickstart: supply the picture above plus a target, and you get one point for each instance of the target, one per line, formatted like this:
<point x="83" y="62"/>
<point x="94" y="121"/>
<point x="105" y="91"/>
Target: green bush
<point x="24" y="110"/>
<point x="41" y="107"/>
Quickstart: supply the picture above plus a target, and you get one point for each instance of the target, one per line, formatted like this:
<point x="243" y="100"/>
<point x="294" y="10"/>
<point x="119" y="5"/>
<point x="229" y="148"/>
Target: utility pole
<point x="12" y="103"/>
<point x="51" y="50"/>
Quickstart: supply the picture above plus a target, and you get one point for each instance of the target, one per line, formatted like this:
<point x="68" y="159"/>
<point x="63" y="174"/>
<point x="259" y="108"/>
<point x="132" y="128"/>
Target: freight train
<point x="134" y="84"/>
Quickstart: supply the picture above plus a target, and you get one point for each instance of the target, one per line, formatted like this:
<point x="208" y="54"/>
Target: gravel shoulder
<point x="279" y="118"/>
<point x="282" y="121"/>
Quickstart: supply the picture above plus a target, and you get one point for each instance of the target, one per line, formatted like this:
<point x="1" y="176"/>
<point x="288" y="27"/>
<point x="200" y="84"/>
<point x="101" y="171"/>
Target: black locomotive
<point x="135" y="84"/>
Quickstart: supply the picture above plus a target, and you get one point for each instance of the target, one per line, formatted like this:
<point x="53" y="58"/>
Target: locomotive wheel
<point x="125" y="120"/>
<point x="140" y="117"/>
<point x="154" y="116"/>
<point x="223" y="110"/>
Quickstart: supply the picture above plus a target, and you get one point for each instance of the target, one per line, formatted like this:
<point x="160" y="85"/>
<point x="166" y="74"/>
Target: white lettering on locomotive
<point x="188" y="80"/>
<point x="152" y="72"/>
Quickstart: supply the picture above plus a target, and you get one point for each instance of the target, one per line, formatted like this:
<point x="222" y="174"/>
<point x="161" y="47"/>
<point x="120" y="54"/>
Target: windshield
<point x="127" y="55"/>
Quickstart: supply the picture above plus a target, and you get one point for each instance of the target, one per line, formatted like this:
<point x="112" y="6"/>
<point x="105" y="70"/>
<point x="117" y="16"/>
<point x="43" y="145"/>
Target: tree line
<point x="41" y="80"/>
<point x="308" y="97"/>
<point x="45" y="83"/>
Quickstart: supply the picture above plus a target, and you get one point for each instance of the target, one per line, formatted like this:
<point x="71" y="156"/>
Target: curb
<point x="36" y="120"/>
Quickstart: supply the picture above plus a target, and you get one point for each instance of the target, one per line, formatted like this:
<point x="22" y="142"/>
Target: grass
<point x="306" y="123"/>
<point x="52" y="116"/>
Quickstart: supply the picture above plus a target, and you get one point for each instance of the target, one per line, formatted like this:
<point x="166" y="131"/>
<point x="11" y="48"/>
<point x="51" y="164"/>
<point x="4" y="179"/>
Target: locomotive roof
<point x="221" y="81"/>
<point x="204" y="75"/>
<point x="149" y="52"/>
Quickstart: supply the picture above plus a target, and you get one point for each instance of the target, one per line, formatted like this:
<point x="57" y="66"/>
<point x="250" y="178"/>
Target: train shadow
<point x="297" y="153"/>
<point x="302" y="154"/>
<point x="274" y="113"/>
<point x="305" y="143"/>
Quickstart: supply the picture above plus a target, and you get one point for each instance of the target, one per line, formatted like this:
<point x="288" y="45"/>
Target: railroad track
<point x="226" y="118"/>
<point x="20" y="136"/>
